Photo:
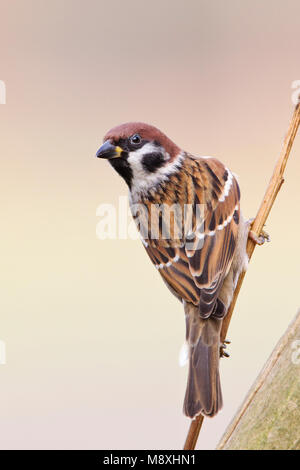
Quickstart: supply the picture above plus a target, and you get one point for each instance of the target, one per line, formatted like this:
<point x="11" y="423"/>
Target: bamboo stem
<point x="257" y="226"/>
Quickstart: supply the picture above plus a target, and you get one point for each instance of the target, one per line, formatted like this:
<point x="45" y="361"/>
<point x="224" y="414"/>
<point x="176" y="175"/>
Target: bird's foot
<point x="223" y="346"/>
<point x="258" y="239"/>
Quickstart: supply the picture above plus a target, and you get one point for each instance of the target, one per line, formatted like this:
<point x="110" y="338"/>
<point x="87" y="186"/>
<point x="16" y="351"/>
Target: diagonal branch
<point x="276" y="387"/>
<point x="257" y="226"/>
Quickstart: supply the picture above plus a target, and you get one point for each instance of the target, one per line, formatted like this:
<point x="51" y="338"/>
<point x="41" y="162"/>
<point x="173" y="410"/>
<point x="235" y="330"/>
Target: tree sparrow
<point x="187" y="210"/>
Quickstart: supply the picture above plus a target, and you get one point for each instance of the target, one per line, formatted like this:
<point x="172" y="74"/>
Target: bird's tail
<point x="203" y="393"/>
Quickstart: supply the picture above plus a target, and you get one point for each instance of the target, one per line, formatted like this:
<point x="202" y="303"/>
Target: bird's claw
<point x="223" y="346"/>
<point x="258" y="239"/>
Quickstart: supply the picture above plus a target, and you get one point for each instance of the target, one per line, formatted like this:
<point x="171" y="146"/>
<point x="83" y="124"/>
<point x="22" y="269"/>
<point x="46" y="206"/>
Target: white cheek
<point x="135" y="161"/>
<point x="142" y="180"/>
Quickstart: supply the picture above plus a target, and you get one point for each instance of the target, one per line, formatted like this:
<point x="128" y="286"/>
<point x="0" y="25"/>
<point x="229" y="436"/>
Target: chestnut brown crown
<point x="146" y="131"/>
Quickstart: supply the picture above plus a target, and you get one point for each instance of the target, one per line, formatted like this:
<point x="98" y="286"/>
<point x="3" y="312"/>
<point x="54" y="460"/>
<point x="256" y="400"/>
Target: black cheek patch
<point x="152" y="161"/>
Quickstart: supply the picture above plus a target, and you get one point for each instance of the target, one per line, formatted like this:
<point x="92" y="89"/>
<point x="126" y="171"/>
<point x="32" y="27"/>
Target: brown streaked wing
<point x="173" y="266"/>
<point x="210" y="264"/>
<point x="196" y="275"/>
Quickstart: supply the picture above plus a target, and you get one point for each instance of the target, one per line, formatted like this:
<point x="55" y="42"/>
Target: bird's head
<point x="141" y="154"/>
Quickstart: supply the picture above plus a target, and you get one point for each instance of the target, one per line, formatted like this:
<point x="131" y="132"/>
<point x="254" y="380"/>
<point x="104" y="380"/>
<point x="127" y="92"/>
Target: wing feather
<point x="195" y="270"/>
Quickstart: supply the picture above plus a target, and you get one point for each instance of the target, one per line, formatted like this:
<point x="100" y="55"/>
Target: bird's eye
<point x="135" y="139"/>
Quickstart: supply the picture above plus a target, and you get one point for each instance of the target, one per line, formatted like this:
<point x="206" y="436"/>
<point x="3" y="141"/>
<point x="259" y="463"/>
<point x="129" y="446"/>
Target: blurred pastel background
<point x="92" y="351"/>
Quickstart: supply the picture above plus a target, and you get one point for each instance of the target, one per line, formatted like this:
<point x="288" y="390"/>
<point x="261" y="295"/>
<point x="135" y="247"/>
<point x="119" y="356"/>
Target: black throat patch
<point x="122" y="167"/>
